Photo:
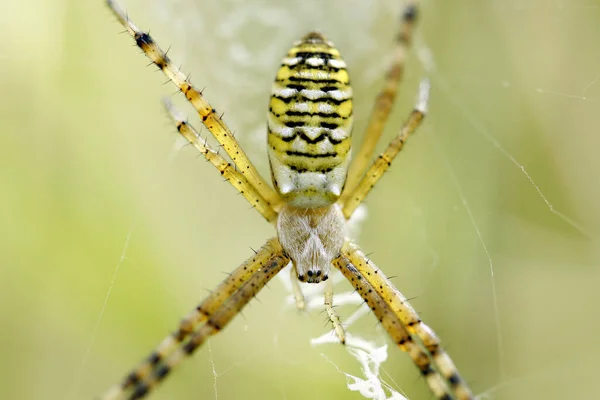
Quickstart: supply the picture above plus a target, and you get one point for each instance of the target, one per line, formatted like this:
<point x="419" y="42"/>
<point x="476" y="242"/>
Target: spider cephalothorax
<point x="312" y="238"/>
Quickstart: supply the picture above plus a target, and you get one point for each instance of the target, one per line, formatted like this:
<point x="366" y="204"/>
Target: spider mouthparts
<point x="314" y="276"/>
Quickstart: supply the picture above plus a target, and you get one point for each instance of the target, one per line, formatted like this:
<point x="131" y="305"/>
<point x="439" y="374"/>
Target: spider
<point x="316" y="190"/>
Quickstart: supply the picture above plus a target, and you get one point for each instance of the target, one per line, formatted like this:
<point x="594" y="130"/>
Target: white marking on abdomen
<point x="326" y="108"/>
<point x="291" y="61"/>
<point x="284" y="92"/>
<point x="278" y="128"/>
<point x="313" y="94"/>
<point x="301" y="107"/>
<point x="305" y="107"/>
<point x="341" y="95"/>
<point x="336" y="63"/>
<point x="338" y="133"/>
<point x="315" y="61"/>
<point x="311" y="74"/>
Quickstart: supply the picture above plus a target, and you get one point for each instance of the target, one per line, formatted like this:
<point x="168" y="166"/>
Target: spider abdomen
<point x="310" y="124"/>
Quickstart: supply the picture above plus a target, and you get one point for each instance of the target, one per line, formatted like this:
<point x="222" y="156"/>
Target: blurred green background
<point x="93" y="177"/>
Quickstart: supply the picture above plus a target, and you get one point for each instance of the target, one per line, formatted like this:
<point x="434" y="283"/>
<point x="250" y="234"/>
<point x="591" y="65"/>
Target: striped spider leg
<point x="403" y="324"/>
<point x="207" y="113"/>
<point x="310" y="122"/>
<point x="207" y="319"/>
<point x="384" y="100"/>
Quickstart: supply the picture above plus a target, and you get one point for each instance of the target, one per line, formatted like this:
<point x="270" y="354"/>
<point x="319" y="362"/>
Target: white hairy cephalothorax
<point x="312" y="237"/>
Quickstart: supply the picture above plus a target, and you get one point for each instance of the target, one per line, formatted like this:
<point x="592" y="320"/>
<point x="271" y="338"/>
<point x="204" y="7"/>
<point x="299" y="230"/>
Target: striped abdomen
<point x="310" y="124"/>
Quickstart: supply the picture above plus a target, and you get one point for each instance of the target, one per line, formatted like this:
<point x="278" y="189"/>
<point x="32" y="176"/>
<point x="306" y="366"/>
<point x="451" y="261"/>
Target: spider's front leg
<point x="207" y="319"/>
<point x="385" y="99"/>
<point x="207" y="113"/>
<point x="227" y="170"/>
<point x="352" y="198"/>
<point x="403" y="324"/>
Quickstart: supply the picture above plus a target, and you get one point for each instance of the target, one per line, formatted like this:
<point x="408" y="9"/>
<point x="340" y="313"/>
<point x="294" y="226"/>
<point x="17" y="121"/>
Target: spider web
<point x="488" y="219"/>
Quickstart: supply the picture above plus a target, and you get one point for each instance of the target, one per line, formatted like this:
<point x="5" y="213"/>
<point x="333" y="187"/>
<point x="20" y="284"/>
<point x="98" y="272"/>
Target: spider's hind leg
<point x="403" y="324"/>
<point x="207" y="319"/>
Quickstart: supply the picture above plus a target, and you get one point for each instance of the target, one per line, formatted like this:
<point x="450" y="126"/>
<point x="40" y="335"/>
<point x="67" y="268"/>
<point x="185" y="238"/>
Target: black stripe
<point x="302" y="170"/>
<point x="294" y="124"/>
<point x="304" y="65"/>
<point x="297" y="87"/>
<point x="326" y="100"/>
<point x="329" y="81"/>
<point x="302" y="135"/>
<point x="329" y="88"/>
<point x="316" y="140"/>
<point x="310" y="155"/>
<point x="317" y="54"/>
<point x="312" y="114"/>
<point x="328" y="125"/>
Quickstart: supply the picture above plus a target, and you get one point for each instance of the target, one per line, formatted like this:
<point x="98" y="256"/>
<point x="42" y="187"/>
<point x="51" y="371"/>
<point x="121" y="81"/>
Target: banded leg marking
<point x="207" y="319"/>
<point x="394" y="326"/>
<point x="233" y="176"/>
<point x="385" y="159"/>
<point x="385" y="99"/>
<point x="208" y="114"/>
<point x="408" y="317"/>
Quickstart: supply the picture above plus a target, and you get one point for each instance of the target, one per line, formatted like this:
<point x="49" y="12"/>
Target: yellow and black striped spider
<point x="316" y="190"/>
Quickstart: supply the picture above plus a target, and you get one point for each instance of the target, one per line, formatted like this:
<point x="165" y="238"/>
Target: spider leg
<point x="297" y="290"/>
<point x="403" y="323"/>
<point x="213" y="122"/>
<point x="383" y="162"/>
<point x="331" y="314"/>
<point x="384" y="101"/>
<point x="233" y="176"/>
<point x="207" y="319"/>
